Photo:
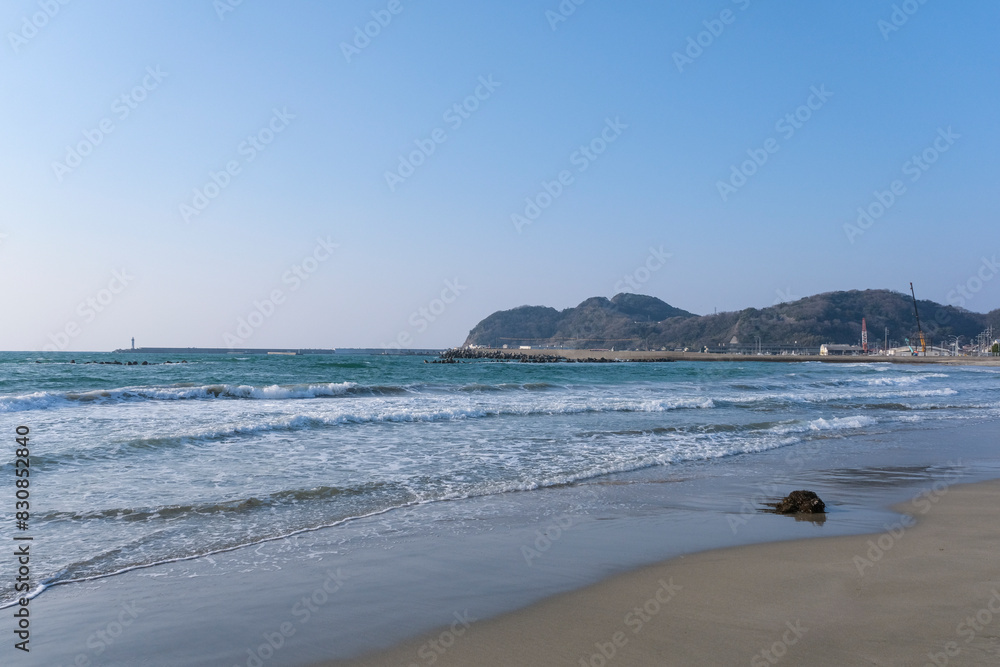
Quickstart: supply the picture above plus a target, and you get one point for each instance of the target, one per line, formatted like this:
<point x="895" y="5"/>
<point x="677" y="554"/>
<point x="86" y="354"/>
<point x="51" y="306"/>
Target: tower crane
<point x="923" y="341"/>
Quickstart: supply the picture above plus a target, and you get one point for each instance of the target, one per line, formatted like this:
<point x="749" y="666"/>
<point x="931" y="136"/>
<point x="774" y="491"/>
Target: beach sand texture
<point x="926" y="591"/>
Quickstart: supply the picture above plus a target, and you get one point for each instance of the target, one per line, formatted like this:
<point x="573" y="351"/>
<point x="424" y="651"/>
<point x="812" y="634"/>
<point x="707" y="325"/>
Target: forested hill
<point x="633" y="321"/>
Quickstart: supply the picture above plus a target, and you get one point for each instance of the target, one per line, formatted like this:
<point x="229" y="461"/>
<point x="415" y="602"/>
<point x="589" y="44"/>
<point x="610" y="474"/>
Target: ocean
<point x="137" y="466"/>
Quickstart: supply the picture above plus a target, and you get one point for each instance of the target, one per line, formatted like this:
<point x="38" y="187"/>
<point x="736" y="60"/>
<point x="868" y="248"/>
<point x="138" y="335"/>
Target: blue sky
<point x="643" y="110"/>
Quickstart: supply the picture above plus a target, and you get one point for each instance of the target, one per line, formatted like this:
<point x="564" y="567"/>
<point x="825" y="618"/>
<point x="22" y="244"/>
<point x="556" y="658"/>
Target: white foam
<point x="823" y="424"/>
<point x="893" y="381"/>
<point x="46" y="400"/>
<point x="39" y="400"/>
<point x="406" y="411"/>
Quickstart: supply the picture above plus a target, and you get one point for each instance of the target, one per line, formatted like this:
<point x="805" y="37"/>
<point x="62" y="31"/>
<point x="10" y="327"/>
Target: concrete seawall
<point x="633" y="355"/>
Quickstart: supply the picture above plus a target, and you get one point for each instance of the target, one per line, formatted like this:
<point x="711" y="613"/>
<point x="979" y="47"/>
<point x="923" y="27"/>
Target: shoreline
<point x="653" y="355"/>
<point x="926" y="588"/>
<point x="377" y="584"/>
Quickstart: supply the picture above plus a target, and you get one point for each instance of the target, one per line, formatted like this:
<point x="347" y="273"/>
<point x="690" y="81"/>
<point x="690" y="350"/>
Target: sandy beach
<point x="925" y="591"/>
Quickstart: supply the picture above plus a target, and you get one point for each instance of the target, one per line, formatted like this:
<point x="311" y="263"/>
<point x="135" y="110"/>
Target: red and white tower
<point x="864" y="336"/>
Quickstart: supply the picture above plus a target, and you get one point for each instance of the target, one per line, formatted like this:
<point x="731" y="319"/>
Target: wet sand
<point x="925" y="591"/>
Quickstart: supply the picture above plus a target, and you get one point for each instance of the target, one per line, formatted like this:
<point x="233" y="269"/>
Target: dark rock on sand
<point x="800" y="502"/>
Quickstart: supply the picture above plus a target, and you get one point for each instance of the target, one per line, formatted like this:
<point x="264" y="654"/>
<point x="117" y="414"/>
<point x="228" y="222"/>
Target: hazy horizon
<point x="370" y="173"/>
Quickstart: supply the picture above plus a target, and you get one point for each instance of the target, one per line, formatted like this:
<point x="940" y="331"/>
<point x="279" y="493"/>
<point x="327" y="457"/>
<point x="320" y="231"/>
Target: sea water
<point x="134" y="466"/>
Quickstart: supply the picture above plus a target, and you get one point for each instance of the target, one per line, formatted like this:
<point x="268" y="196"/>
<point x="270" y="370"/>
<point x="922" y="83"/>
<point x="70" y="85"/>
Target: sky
<point x="389" y="172"/>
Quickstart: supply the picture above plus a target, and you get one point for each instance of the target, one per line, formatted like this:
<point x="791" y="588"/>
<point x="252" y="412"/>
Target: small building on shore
<point x="905" y="351"/>
<point x="831" y="349"/>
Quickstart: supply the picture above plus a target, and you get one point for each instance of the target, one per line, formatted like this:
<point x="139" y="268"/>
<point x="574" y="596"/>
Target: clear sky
<point x="199" y="173"/>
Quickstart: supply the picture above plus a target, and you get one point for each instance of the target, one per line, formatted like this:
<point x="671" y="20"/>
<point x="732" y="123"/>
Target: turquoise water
<point x="138" y="465"/>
